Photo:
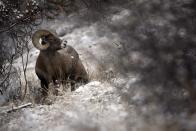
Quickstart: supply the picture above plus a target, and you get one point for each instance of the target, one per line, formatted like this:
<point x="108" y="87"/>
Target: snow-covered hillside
<point x="117" y="98"/>
<point x="95" y="106"/>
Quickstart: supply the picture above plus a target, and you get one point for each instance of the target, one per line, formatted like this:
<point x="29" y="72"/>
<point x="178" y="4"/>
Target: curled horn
<point x="36" y="39"/>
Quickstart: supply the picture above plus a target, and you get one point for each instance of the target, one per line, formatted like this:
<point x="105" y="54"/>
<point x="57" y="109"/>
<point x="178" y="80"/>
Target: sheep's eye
<point x="50" y="39"/>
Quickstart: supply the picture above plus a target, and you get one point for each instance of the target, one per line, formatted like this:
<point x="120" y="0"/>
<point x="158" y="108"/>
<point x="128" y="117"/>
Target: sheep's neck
<point x="50" y="54"/>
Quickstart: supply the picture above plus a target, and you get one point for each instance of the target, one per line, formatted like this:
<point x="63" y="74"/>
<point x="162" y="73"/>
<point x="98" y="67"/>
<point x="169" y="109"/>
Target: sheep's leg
<point x="73" y="86"/>
<point x="78" y="80"/>
<point x="44" y="86"/>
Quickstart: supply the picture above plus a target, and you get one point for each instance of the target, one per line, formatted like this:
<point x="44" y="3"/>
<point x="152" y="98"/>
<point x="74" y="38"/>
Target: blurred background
<point x="143" y="52"/>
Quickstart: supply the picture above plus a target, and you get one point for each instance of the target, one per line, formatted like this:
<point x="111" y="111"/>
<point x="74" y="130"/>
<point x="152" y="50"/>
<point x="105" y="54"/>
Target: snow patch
<point x="93" y="105"/>
<point x="122" y="18"/>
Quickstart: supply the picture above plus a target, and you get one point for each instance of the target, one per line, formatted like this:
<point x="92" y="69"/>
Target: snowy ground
<point x="113" y="100"/>
<point x="95" y="106"/>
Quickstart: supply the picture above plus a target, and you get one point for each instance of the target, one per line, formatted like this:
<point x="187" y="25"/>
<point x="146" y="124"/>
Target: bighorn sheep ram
<point x="56" y="61"/>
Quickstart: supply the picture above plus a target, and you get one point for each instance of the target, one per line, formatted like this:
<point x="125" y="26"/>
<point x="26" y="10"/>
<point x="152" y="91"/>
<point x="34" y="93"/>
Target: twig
<point x="18" y="107"/>
<point x="8" y="28"/>
<point x="24" y="71"/>
<point x="8" y="74"/>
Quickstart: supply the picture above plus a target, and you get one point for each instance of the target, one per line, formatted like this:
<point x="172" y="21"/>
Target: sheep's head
<point x="46" y="40"/>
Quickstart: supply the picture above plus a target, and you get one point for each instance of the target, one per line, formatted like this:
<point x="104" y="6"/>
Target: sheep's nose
<point x="64" y="42"/>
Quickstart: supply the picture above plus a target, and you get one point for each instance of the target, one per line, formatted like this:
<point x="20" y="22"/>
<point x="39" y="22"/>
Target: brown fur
<point x="59" y="63"/>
